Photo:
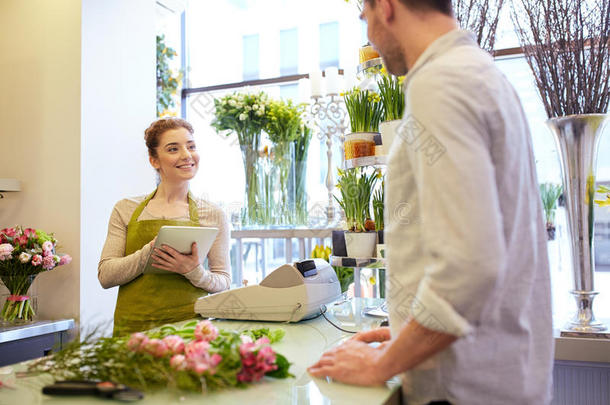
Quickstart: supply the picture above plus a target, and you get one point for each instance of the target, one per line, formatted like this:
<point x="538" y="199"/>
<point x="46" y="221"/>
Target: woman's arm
<point x="114" y="267"/>
<point x="218" y="278"/>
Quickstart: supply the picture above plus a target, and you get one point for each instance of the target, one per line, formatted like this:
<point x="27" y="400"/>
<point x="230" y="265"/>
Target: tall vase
<point x="252" y="203"/>
<point x="19" y="305"/>
<point x="577" y="139"/>
<point x="300" y="192"/>
<point x="284" y="184"/>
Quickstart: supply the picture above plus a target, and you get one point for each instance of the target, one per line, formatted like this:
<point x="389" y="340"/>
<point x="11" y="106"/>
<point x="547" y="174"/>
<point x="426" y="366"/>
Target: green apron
<point x="151" y="300"/>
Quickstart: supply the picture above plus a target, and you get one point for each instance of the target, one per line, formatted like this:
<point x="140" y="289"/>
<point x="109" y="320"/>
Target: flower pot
<point x="359" y="144"/>
<point x="338" y="239"/>
<point x="388" y="133"/>
<point x="360" y="244"/>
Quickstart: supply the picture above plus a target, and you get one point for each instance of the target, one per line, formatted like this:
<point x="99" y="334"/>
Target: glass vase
<point x="19" y="305"/>
<point x="251" y="212"/>
<point x="282" y="181"/>
<point x="300" y="193"/>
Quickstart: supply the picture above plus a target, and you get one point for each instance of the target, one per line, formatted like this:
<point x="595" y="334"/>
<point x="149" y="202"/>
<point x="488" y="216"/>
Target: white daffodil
<point x="243" y="116"/>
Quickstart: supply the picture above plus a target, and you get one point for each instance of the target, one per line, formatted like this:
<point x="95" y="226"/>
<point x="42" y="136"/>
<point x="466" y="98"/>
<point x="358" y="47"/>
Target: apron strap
<point x="193" y="209"/>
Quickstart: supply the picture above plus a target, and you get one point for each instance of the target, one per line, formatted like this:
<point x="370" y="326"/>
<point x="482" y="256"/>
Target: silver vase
<point x="577" y="138"/>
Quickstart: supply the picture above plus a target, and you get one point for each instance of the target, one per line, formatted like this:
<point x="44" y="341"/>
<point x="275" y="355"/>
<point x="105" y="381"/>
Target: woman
<point x="149" y="300"/>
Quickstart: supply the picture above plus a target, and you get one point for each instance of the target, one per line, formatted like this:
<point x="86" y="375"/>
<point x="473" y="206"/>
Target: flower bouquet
<point x="245" y="114"/>
<point x="24" y="252"/>
<point x="196" y="357"/>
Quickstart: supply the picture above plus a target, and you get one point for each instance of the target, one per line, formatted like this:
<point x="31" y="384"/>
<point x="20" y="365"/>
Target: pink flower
<point x="47" y="248"/>
<point x="21" y="241"/>
<point x="137" y="341"/>
<point x="48" y="262"/>
<point x="205" y="330"/>
<point x="65" y="259"/>
<point x="156" y="347"/>
<point x="30" y="232"/>
<point x="246" y="339"/>
<point x="5" y="251"/>
<point x="257" y="359"/>
<point x="196" y="348"/>
<point x="36" y="260"/>
<point x="10" y="232"/>
<point x="174" y="343"/>
<point x="178" y="362"/>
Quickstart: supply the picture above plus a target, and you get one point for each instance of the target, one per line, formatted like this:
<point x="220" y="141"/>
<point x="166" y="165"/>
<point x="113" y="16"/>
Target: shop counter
<point x="302" y="345"/>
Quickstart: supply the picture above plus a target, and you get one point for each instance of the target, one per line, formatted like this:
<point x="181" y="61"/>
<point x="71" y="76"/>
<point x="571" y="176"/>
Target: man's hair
<point x="442" y="6"/>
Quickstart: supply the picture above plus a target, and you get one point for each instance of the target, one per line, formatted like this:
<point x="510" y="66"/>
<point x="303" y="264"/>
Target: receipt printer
<point x="291" y="292"/>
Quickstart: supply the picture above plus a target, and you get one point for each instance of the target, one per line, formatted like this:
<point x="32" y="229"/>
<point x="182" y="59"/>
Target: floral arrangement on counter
<point x="364" y="108"/>
<point x="24" y="253"/>
<point x="195" y="357"/>
<point x="356" y="188"/>
<point x="606" y="202"/>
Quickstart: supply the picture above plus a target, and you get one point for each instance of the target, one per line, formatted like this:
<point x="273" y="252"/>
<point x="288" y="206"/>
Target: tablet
<point x="181" y="238"/>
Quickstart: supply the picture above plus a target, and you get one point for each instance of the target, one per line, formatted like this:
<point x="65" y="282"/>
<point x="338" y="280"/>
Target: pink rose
<point x="174" y="343"/>
<point x="5" y="251"/>
<point x="178" y="362"/>
<point x="137" y="341"/>
<point x="206" y="331"/>
<point x="257" y="359"/>
<point x="36" y="260"/>
<point x="48" y="262"/>
<point x="65" y="259"/>
<point x="156" y="347"/>
<point x="196" y="348"/>
<point x="47" y="248"/>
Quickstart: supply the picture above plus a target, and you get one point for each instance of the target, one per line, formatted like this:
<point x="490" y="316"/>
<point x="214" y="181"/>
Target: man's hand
<point x="168" y="258"/>
<point x="354" y="362"/>
<point x="373" y="335"/>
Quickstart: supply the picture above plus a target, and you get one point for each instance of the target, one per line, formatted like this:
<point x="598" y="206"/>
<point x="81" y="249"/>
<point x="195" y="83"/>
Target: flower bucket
<point x="360" y="244"/>
<point x="359" y="144"/>
<point x="388" y="133"/>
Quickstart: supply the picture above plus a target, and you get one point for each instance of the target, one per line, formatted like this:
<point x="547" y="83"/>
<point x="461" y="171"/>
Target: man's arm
<point x="355" y="362"/>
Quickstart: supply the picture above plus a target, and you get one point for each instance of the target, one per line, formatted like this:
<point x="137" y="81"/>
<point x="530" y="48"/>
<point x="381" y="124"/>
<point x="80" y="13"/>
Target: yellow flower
<point x="372" y="280"/>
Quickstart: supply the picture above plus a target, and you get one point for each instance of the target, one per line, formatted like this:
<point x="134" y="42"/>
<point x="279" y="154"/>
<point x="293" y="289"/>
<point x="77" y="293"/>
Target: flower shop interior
<point x="292" y="108"/>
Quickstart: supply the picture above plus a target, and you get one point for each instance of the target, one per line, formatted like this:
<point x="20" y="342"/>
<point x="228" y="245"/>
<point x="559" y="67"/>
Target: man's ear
<point x="386" y="9"/>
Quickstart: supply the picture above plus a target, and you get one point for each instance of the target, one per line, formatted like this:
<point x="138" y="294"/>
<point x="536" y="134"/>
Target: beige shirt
<point x="115" y="268"/>
<point x="465" y="235"/>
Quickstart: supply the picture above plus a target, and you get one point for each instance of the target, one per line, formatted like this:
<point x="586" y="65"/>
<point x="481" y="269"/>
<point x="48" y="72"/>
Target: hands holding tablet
<point x="168" y="258"/>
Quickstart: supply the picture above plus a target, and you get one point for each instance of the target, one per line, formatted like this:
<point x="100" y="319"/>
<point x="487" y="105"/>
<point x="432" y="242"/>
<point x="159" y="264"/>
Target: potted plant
<point x="244" y="114"/>
<point x="356" y="187"/>
<point x="283" y="127"/>
<point x="550" y="194"/>
<point x="365" y="110"/>
<point x="393" y="99"/>
<point x="378" y="210"/>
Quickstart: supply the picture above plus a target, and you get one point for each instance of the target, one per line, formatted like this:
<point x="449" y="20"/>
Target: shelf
<point x="355" y="262"/>
<point x="369" y="64"/>
<point x="366" y="161"/>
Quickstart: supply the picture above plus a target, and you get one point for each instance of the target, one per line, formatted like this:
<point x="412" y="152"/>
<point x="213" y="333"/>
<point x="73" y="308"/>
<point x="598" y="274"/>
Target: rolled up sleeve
<point x="462" y="231"/>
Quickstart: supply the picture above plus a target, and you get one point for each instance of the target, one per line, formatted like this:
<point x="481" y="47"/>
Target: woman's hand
<point x="168" y="258"/>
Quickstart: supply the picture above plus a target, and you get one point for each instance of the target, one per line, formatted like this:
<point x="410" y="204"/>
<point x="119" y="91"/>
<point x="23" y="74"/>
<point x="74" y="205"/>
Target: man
<point x="468" y="277"/>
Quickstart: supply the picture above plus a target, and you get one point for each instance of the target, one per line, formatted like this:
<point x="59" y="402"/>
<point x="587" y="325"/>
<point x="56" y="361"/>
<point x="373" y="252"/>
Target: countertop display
<point x="303" y="344"/>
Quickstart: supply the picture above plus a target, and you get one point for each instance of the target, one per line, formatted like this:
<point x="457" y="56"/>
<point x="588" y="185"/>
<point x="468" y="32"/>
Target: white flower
<point x="259" y="112"/>
<point x="248" y="108"/>
<point x="255" y="107"/>
<point x="232" y="103"/>
<point x="24" y="257"/>
<point x="243" y="116"/>
<point x="240" y="105"/>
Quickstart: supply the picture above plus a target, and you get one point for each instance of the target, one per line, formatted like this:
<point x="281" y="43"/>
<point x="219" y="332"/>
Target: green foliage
<point x="378" y="207"/>
<point x="356" y="187"/>
<point x="365" y="110"/>
<point x="550" y="194"/>
<point x="392" y="97"/>
<point x="168" y="81"/>
<point x="283" y="121"/>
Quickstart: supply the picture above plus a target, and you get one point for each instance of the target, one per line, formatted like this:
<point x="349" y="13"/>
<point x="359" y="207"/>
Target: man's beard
<point x="393" y="57"/>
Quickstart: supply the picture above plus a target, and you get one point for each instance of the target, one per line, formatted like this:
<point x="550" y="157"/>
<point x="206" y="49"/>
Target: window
<point x="329" y="45"/>
<point x="289" y="52"/>
<point x="251" y="57"/>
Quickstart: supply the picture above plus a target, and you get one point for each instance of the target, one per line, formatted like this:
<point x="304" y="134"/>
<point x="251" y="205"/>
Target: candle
<point x="332" y="80"/>
<point x="315" y="80"/>
<point x="349" y="74"/>
<point x="304" y="90"/>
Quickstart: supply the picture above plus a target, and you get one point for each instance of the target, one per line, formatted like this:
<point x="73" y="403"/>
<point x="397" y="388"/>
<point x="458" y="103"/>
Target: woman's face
<point x="177" y="157"/>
